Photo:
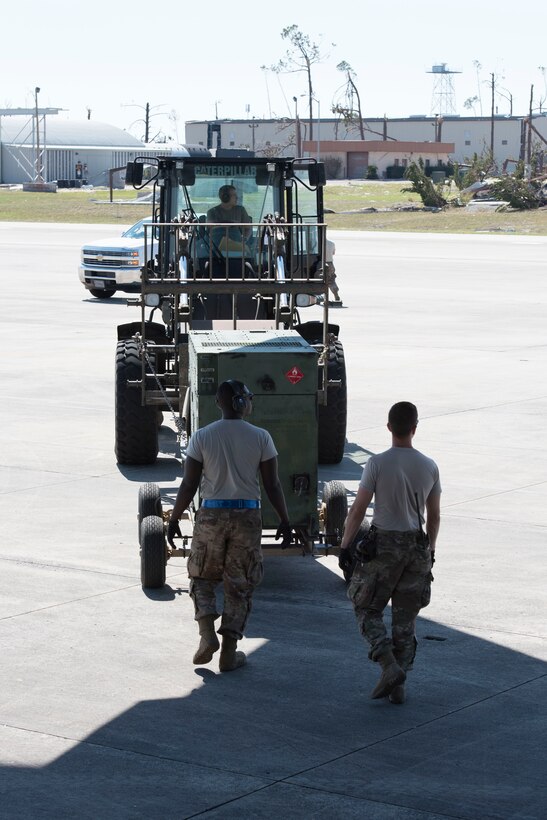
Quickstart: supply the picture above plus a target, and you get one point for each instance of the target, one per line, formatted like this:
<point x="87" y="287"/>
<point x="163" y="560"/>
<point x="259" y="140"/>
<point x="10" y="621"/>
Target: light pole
<point x="318" y="150"/>
<point x="297" y="126"/>
<point x="38" y="161"/>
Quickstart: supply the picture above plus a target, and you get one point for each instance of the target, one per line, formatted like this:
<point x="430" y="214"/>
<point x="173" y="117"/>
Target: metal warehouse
<point x="68" y="151"/>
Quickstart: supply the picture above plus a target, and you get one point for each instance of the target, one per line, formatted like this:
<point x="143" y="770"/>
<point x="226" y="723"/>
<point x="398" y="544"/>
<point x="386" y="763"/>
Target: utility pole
<point x="529" y="146"/>
<point x="492" y="118"/>
<point x="253" y="126"/>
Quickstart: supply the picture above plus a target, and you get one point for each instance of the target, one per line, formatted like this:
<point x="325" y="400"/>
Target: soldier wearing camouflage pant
<point x="396" y="558"/>
<point x="227" y="457"/>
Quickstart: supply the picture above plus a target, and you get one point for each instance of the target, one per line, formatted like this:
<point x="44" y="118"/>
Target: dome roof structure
<point x="68" y="133"/>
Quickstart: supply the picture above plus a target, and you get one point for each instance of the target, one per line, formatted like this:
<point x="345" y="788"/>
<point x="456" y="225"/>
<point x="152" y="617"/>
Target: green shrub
<point x="395" y="172"/>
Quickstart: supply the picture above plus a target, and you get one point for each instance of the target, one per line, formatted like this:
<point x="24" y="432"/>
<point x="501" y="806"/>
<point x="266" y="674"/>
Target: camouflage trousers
<point x="226" y="547"/>
<point x="400" y="572"/>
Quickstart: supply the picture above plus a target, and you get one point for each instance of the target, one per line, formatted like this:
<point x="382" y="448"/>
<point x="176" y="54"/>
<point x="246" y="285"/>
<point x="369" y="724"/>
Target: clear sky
<point x="192" y="60"/>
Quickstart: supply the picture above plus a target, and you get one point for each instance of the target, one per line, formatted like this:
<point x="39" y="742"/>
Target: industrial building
<point x="69" y="152"/>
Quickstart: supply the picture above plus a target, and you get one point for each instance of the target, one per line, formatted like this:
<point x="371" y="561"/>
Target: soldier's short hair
<point x="402" y="417"/>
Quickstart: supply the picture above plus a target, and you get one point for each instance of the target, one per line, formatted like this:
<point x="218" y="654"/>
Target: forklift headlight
<point x="152" y="299"/>
<point x="305" y="300"/>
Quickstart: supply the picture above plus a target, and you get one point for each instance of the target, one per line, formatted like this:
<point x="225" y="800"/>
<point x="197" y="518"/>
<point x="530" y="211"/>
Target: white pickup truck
<point x="115" y="264"/>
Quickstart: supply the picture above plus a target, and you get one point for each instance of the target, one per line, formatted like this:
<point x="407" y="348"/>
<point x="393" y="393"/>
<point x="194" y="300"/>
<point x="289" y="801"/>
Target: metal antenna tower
<point x="443" y="100"/>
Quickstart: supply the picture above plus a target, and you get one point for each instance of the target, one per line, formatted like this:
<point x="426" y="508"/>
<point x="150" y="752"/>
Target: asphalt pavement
<point x="103" y="715"/>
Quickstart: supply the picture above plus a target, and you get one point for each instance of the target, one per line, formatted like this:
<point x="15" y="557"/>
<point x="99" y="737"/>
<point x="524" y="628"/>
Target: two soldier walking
<point x="227" y="458"/>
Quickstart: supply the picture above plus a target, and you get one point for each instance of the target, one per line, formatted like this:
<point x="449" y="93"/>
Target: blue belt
<point x="230" y="504"/>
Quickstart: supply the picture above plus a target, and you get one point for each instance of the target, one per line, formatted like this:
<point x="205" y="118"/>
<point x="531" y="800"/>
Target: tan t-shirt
<point x="396" y="477"/>
<point x="231" y="451"/>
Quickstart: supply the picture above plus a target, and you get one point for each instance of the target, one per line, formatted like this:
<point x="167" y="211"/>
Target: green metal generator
<point x="280" y="368"/>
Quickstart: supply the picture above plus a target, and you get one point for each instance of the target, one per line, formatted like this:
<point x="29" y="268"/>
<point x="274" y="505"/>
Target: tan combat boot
<point x="229" y="658"/>
<point x="392" y="676"/>
<point x="208" y="644"/>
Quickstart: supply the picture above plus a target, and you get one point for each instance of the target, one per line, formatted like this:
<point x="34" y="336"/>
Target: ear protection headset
<point x="239" y="399"/>
<point x="225" y="193"/>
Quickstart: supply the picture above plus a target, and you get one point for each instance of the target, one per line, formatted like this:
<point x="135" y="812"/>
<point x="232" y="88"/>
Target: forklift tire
<point x="335" y="501"/>
<point x="149" y="502"/>
<point x="101" y="294"/>
<point x="153" y="552"/>
<point x="332" y="417"/>
<point x="136" y="434"/>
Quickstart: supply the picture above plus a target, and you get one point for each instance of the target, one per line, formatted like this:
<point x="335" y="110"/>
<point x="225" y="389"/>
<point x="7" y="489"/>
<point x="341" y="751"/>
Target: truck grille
<point x="110" y="259"/>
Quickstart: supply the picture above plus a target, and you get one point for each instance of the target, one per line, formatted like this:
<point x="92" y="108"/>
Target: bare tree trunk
<point x="361" y="127"/>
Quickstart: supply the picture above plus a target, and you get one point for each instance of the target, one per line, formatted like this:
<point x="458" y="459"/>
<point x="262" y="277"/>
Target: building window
<point x="200" y="142"/>
<point x="405" y="161"/>
<point x="468" y="142"/>
<point x="396" y="162"/>
<point x="427" y="163"/>
<point x="504" y="142"/>
<point x="232" y="142"/>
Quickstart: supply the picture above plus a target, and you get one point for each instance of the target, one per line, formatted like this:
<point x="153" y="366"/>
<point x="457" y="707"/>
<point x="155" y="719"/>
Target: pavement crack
<point x="66" y="603"/>
<point x="494" y="495"/>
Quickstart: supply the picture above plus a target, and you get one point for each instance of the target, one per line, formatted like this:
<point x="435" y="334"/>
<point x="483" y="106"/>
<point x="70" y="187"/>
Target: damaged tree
<point x="431" y="194"/>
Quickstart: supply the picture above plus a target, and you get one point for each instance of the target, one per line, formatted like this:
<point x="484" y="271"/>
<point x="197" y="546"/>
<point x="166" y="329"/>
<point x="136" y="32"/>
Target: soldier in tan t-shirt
<point x="395" y="562"/>
<point x="227" y="457"/>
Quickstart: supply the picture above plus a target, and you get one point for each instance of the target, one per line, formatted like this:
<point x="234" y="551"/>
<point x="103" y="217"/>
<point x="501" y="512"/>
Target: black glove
<point x="345" y="560"/>
<point x="173" y="529"/>
<point x="284" y="531"/>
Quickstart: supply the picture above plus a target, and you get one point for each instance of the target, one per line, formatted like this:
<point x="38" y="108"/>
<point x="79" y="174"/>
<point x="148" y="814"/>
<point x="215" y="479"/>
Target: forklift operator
<point x="229" y="239"/>
<point x="227" y="457"/>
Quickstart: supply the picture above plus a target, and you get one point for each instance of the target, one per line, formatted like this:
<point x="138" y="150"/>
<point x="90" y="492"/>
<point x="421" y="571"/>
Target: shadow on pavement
<point x="295" y="733"/>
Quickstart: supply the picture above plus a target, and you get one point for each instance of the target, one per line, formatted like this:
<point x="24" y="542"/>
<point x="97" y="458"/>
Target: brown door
<point x="357" y="164"/>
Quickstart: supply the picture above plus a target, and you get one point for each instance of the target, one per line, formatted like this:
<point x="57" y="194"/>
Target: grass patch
<point x="345" y="200"/>
<point x="71" y="205"/>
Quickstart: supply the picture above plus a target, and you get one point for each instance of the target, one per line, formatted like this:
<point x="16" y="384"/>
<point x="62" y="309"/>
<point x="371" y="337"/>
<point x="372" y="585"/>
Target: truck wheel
<point x="136" y="434"/>
<point x="332" y="417"/>
<point x="101" y="294"/>
<point x="335" y="510"/>
<point x="149" y="502"/>
<point x="153" y="552"/>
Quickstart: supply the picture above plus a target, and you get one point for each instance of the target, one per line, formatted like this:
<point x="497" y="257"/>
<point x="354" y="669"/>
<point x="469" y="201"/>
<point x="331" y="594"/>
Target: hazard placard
<point x="294" y="375"/>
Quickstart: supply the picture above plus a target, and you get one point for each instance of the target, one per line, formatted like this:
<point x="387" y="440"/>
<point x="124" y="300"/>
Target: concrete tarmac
<point x="103" y="715"/>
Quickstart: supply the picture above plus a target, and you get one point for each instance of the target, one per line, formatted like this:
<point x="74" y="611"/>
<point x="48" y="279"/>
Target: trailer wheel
<point x="149" y="502"/>
<point x="332" y="417"/>
<point x="136" y="434"/>
<point x="335" y="510"/>
<point x="153" y="552"/>
<point x="101" y="294"/>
